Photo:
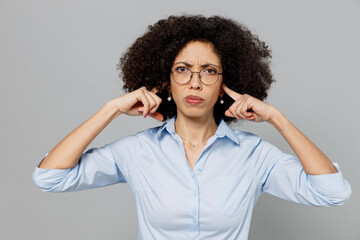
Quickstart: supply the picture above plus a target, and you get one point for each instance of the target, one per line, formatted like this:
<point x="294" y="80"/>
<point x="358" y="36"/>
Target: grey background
<point x="57" y="61"/>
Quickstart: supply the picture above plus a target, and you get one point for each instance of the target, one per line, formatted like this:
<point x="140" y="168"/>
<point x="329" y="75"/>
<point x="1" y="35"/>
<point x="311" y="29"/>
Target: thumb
<point x="229" y="114"/>
<point x="157" y="116"/>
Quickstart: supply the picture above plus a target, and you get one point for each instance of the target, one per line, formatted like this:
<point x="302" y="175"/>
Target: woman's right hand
<point x="140" y="102"/>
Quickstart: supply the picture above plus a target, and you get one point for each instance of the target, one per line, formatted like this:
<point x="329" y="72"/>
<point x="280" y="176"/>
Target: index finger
<point x="154" y="90"/>
<point x="234" y="95"/>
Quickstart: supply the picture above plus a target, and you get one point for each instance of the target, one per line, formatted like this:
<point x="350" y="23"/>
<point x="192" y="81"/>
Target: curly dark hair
<point x="244" y="58"/>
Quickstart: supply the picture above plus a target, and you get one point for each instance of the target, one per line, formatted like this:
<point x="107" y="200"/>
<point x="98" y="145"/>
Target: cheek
<point x="215" y="98"/>
<point x="216" y="93"/>
<point x="175" y="93"/>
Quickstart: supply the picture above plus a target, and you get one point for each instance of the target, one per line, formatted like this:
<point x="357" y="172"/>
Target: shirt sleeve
<point x="97" y="167"/>
<point x="283" y="175"/>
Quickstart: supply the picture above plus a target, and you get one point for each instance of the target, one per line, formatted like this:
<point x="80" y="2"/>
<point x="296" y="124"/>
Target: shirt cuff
<point x="46" y="179"/>
<point x="333" y="182"/>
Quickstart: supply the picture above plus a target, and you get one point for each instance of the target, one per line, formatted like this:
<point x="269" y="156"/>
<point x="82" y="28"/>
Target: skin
<point x="190" y="115"/>
<point x="194" y="122"/>
<point x="314" y="161"/>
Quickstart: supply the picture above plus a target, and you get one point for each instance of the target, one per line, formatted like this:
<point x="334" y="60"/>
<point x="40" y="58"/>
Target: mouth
<point x="193" y="99"/>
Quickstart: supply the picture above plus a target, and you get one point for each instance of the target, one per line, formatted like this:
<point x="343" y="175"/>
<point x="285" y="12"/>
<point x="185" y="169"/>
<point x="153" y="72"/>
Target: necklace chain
<point x="195" y="145"/>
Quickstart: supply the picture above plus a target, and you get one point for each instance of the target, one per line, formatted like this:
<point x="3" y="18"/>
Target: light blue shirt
<point x="213" y="201"/>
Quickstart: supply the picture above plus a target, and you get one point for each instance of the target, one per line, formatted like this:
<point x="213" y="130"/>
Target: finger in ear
<point x="229" y="114"/>
<point x="221" y="93"/>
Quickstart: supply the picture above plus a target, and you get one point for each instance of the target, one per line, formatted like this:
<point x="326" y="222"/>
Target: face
<point x="195" y="99"/>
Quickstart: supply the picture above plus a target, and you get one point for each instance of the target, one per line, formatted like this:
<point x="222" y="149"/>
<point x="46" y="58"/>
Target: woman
<point x="194" y="177"/>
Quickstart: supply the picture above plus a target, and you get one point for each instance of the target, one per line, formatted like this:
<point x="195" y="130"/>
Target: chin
<point x="196" y="113"/>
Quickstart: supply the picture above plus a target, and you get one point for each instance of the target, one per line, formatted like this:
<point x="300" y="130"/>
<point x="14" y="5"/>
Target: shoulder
<point x="254" y="141"/>
<point x="150" y="132"/>
<point x="254" y="144"/>
<point x="246" y="138"/>
<point x="258" y="146"/>
<point x="242" y="135"/>
<point x="240" y="138"/>
<point x="136" y="140"/>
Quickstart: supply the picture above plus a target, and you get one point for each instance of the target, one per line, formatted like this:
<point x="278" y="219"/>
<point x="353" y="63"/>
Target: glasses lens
<point x="208" y="76"/>
<point x="181" y="75"/>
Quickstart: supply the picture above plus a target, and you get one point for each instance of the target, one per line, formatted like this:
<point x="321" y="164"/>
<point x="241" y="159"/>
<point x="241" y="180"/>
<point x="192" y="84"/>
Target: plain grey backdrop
<point x="58" y="67"/>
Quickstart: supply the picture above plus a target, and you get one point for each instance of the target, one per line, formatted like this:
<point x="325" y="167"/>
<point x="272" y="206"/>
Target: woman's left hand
<point x="248" y="107"/>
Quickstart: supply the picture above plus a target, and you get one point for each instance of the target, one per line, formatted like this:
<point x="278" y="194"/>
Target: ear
<point x="221" y="93"/>
<point x="167" y="86"/>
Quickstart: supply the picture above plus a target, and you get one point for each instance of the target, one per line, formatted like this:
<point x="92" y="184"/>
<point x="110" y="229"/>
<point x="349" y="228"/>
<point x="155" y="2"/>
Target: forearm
<point x="312" y="158"/>
<point x="67" y="152"/>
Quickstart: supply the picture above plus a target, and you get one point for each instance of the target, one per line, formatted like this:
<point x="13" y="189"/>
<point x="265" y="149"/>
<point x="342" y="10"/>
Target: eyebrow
<point x="190" y="65"/>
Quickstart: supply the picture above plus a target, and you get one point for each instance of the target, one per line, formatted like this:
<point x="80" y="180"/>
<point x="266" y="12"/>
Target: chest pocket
<point x="232" y="195"/>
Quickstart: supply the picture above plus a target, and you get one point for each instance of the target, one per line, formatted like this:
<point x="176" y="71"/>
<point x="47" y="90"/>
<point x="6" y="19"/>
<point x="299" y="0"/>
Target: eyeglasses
<point x="183" y="75"/>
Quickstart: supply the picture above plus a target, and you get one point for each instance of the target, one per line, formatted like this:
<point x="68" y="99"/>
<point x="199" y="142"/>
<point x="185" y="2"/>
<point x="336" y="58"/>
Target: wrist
<point x="278" y="120"/>
<point x="112" y="106"/>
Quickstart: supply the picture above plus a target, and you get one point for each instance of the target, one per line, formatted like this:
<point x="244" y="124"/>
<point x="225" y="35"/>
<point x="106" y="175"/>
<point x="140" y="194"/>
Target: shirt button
<point x="193" y="220"/>
<point x="198" y="170"/>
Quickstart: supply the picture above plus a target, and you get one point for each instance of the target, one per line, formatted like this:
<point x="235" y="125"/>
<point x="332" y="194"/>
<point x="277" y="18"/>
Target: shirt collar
<point x="223" y="130"/>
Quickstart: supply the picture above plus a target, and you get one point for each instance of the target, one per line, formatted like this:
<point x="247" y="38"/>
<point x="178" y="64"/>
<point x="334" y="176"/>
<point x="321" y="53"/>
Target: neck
<point x="195" y="130"/>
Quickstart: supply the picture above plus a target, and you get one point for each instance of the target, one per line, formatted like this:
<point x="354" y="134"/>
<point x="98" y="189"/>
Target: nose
<point x="195" y="82"/>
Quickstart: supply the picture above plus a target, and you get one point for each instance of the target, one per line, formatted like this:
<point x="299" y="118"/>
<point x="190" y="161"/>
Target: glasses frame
<point x="172" y="74"/>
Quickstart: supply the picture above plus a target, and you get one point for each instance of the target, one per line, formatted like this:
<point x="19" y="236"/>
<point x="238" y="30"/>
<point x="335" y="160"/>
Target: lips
<point x="194" y="99"/>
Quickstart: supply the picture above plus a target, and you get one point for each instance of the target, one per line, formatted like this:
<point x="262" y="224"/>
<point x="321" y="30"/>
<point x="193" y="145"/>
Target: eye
<point x="181" y="69"/>
<point x="210" y="71"/>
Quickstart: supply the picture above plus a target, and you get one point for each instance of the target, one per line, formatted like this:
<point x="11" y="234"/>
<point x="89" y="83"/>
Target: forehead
<point x="197" y="51"/>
